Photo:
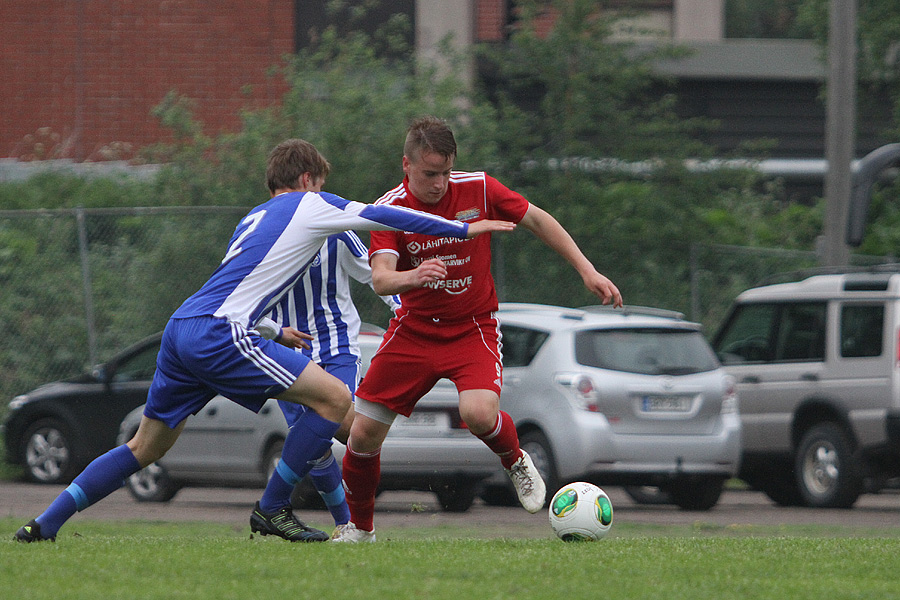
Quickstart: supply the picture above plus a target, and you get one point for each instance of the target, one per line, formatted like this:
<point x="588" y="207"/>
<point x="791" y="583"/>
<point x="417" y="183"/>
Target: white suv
<point x="631" y="396"/>
<point x="818" y="373"/>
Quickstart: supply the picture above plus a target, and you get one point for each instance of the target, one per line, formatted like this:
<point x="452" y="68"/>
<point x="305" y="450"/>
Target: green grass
<point x="94" y="559"/>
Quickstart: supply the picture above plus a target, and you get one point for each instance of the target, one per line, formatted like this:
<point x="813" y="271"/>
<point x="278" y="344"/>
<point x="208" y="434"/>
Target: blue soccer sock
<point x="99" y="479"/>
<point x="309" y="438"/>
<point x="326" y="476"/>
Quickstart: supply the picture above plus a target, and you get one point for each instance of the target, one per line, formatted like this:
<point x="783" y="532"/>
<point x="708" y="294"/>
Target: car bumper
<point x="466" y="456"/>
<point x="604" y="453"/>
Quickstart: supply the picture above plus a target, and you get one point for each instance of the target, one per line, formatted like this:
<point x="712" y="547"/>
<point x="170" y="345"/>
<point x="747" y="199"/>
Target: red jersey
<point x="468" y="289"/>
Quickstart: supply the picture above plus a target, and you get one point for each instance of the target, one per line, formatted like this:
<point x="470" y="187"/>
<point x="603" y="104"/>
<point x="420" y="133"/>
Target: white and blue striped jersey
<point x="276" y="242"/>
<point x="320" y="303"/>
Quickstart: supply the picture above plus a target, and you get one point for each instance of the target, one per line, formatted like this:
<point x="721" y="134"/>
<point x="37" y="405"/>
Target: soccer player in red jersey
<point x="446" y="326"/>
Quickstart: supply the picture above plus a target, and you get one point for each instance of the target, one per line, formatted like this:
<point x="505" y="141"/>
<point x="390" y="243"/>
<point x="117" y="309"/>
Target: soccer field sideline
<point x="232" y="507"/>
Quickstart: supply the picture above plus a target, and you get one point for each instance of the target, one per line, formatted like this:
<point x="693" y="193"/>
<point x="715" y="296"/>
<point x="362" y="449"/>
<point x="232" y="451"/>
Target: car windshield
<point x="657" y="351"/>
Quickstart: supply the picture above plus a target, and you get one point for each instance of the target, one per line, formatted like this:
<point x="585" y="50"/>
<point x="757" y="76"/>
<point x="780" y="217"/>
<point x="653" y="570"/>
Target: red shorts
<point x="416" y="352"/>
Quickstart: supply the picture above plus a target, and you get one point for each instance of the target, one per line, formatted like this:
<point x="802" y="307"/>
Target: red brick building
<point x="80" y="76"/>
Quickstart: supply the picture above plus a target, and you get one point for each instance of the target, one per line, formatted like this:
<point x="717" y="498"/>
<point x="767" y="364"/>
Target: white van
<point x="818" y="376"/>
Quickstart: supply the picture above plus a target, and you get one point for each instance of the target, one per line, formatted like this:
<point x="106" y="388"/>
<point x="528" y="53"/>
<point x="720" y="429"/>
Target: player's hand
<point x="292" y="338"/>
<point x="489" y="226"/>
<point x="429" y="271"/>
<point x="601" y="286"/>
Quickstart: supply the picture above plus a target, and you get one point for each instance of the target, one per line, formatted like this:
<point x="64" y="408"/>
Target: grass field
<point x="99" y="560"/>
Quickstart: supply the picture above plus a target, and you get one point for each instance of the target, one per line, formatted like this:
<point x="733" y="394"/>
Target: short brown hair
<point x="289" y="160"/>
<point x="429" y="134"/>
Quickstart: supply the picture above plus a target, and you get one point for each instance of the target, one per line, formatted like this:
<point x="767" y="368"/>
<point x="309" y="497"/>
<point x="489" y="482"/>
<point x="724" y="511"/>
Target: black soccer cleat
<point x="285" y="525"/>
<point x="31" y="533"/>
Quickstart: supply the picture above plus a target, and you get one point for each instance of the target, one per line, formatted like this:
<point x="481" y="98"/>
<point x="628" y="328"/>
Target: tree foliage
<point x="552" y="108"/>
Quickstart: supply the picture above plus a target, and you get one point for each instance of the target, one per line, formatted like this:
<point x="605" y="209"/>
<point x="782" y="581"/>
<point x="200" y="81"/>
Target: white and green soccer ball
<point x="580" y="512"/>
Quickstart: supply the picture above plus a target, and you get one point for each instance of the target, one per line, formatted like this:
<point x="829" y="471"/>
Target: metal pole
<point x="695" y="281"/>
<point x="86" y="282"/>
<point x="840" y="129"/>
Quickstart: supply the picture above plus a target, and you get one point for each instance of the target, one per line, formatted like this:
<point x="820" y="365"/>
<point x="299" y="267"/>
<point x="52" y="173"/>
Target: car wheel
<point x="152" y="484"/>
<point x="827" y="475"/>
<point x="271" y="457"/>
<point x="48" y="452"/>
<point x="696" y="493"/>
<point x="304" y="496"/>
<point x="498" y="495"/>
<point x="456" y="496"/>
<point x="782" y="489"/>
<point x="648" y="494"/>
<point x="537" y="446"/>
<point x="773" y="476"/>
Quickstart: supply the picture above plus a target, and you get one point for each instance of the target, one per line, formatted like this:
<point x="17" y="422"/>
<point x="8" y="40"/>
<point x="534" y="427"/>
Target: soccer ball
<point x="580" y="512"/>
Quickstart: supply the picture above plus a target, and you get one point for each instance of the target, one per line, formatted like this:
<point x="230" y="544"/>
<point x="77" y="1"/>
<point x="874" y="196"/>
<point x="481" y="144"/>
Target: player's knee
<point x="479" y="419"/>
<point x="146" y="451"/>
<point x="337" y="402"/>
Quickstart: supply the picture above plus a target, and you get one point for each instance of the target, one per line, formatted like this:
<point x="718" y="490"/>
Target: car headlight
<point x="582" y="391"/>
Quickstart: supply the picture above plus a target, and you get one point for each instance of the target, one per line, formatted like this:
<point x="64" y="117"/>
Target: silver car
<point x="227" y="445"/>
<point x="631" y="396"/>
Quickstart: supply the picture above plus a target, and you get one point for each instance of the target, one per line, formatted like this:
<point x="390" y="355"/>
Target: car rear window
<point x="657" y="351"/>
<point x="520" y="345"/>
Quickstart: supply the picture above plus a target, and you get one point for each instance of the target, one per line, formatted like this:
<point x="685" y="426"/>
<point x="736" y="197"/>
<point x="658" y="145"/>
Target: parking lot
<point x="396" y="510"/>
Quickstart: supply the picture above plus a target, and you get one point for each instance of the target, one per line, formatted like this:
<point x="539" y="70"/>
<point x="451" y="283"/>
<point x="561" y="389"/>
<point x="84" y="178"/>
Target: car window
<point x="656" y="351"/>
<point x="784" y="331"/>
<point x="862" y="330"/>
<point x="139" y="367"/>
<point x="747" y="334"/>
<point x="801" y="332"/>
<point x="520" y="345"/>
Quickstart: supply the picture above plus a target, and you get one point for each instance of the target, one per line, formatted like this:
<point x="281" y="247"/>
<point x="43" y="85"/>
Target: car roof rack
<point x="800" y="274"/>
<point x="647" y="311"/>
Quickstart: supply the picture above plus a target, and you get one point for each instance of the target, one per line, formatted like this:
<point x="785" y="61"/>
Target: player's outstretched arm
<point x="489" y="226"/>
<point x="549" y="231"/>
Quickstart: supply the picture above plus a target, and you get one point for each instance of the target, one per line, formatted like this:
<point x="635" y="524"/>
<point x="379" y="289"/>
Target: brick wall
<point x="491" y="20"/>
<point x="80" y="76"/>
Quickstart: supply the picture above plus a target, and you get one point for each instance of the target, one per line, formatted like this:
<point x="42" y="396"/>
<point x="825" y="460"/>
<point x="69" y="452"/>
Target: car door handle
<point x="750" y="379"/>
<point x="809" y="377"/>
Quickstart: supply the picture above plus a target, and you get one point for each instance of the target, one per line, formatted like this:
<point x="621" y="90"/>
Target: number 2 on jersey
<point x="252" y="222"/>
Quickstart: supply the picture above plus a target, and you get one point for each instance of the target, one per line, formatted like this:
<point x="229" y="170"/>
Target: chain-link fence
<point x="80" y="285"/>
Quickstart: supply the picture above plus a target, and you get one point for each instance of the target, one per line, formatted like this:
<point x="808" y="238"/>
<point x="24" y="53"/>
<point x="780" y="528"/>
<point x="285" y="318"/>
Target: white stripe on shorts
<point x="264" y="362"/>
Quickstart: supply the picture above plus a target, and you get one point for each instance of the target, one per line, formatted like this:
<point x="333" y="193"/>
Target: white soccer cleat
<point x="349" y="534"/>
<point x="528" y="483"/>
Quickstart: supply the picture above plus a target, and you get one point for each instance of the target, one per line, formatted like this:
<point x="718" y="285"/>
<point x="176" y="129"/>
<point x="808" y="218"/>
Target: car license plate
<point x="423" y="419"/>
<point x="666" y="404"/>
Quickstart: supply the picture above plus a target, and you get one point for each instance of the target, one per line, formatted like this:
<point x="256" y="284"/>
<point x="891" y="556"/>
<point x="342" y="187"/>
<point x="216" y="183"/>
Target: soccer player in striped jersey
<point x="218" y="341"/>
<point x="446" y="326"/>
<point x="321" y="305"/>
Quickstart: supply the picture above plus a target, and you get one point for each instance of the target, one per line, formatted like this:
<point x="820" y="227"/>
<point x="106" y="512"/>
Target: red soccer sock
<point x="503" y="440"/>
<point x="362" y="473"/>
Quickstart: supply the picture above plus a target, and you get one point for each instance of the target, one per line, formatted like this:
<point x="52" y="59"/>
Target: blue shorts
<point x="345" y="367"/>
<point x="204" y="356"/>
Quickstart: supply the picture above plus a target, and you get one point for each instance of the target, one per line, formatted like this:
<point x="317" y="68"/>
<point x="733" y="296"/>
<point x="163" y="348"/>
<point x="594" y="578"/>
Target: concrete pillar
<point x="435" y="19"/>
<point x="698" y="20"/>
